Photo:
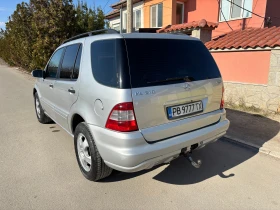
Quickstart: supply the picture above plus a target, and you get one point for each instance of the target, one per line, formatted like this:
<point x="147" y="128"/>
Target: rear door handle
<point x="51" y="85"/>
<point x="71" y="91"/>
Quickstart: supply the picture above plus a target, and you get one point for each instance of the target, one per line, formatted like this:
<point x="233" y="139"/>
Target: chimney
<point x="203" y="31"/>
<point x="199" y="29"/>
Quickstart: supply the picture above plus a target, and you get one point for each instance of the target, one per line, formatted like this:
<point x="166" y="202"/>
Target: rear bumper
<point x="129" y="152"/>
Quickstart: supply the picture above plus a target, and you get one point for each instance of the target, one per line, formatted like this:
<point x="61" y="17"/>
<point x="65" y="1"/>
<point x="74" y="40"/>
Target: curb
<point x="262" y="150"/>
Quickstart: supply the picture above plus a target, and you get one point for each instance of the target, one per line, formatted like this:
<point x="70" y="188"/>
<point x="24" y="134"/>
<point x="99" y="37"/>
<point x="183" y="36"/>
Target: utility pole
<point x="129" y="16"/>
<point x="121" y="20"/>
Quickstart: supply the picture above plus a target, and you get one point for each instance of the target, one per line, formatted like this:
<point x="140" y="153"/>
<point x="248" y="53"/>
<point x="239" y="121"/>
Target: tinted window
<point x="151" y="60"/>
<point x="54" y="64"/>
<point x="77" y="64"/>
<point x="109" y="63"/>
<point x="68" y="62"/>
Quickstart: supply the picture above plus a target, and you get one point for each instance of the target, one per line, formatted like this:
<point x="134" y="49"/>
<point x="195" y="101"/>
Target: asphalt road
<point x="38" y="169"/>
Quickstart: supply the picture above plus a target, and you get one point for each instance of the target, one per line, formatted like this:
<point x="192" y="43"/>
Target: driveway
<point x="38" y="169"/>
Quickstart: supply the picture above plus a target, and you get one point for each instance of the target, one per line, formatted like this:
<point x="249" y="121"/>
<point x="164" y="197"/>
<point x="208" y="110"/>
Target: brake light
<point x="122" y="118"/>
<point x="222" y="100"/>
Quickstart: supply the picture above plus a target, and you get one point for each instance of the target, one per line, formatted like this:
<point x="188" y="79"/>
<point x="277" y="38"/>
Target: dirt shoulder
<point x="2" y="62"/>
<point x="22" y="71"/>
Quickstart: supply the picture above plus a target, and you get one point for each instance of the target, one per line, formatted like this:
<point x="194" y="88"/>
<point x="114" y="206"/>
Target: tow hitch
<point x="195" y="164"/>
<point x="187" y="154"/>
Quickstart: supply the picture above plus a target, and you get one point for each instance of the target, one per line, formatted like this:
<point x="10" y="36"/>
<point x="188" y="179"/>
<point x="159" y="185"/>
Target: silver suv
<point x="132" y="101"/>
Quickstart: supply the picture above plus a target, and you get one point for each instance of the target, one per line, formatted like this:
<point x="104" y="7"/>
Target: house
<point x="146" y="13"/>
<point x="243" y="36"/>
<point x="229" y="14"/>
<point x="119" y="13"/>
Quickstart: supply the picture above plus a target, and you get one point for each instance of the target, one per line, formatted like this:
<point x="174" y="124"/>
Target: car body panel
<point x="128" y="150"/>
<point x="47" y="98"/>
<point x="64" y="100"/>
<point x="151" y="104"/>
<point x="95" y="100"/>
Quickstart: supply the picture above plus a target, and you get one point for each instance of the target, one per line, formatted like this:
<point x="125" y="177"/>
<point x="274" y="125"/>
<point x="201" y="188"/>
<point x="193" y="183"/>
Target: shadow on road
<point x="217" y="158"/>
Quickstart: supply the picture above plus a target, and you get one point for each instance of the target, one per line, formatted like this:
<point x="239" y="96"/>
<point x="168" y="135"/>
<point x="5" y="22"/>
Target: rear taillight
<point x="222" y="100"/>
<point x="122" y="118"/>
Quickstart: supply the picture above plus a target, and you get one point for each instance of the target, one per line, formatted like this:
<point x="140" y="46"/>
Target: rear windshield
<point x="160" y="61"/>
<point x="134" y="63"/>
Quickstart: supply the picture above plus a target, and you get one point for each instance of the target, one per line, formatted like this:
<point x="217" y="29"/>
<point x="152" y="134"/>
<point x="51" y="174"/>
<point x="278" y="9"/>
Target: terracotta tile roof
<point x="116" y="8"/>
<point x="248" y="38"/>
<point x="122" y="3"/>
<point x="113" y="13"/>
<point x="195" y="24"/>
<point x="119" y="2"/>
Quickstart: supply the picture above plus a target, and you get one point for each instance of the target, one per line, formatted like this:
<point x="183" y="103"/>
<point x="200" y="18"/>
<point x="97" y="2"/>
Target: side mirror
<point x="38" y="73"/>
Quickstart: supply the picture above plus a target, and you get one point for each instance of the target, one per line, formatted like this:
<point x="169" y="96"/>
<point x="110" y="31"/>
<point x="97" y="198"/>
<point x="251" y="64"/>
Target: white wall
<point x="113" y="21"/>
<point x="136" y="6"/>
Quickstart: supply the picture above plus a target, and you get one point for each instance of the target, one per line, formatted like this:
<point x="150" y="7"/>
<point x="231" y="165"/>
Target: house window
<point x="156" y="15"/>
<point x="137" y="20"/>
<point x="179" y="13"/>
<point x="233" y="9"/>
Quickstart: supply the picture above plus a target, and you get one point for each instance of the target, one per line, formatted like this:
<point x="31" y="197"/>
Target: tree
<point x="37" y="28"/>
<point x="100" y="19"/>
<point x="19" y="37"/>
<point x="4" y="50"/>
<point x="89" y="19"/>
<point x="81" y="17"/>
<point x="53" y="22"/>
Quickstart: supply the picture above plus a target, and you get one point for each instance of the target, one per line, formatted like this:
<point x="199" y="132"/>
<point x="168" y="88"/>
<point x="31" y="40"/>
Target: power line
<point x="106" y="5"/>
<point x="224" y="15"/>
<point x="262" y="23"/>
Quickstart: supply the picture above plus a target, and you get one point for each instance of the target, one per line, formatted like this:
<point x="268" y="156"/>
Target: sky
<point x="7" y="7"/>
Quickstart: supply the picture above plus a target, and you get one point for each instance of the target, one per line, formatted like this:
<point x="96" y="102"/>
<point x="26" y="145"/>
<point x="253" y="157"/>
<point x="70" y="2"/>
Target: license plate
<point x="184" y="109"/>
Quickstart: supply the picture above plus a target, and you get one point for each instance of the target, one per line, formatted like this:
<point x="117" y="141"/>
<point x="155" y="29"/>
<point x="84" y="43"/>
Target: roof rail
<point x="91" y="33"/>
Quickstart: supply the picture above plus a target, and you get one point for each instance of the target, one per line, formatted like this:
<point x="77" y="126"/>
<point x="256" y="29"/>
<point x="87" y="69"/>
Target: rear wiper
<point x="185" y="78"/>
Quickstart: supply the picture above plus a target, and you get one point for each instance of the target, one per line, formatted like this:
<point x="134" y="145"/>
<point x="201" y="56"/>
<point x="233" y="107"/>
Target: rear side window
<point x="153" y="60"/>
<point x="109" y="63"/>
<point x="68" y="63"/>
<point x="53" y="65"/>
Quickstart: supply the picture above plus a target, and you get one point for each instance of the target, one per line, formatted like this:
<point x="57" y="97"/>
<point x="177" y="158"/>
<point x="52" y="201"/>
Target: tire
<point x="41" y="116"/>
<point x="90" y="162"/>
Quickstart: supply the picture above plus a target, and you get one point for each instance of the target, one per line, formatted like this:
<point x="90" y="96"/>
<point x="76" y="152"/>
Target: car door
<point x="67" y="84"/>
<point x="46" y="85"/>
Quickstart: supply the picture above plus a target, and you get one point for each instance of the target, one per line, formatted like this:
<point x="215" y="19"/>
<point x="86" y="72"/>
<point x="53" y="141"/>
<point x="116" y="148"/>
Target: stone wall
<point x="266" y="97"/>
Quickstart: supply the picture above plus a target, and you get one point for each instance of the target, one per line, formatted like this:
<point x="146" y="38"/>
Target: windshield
<point x="161" y="61"/>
